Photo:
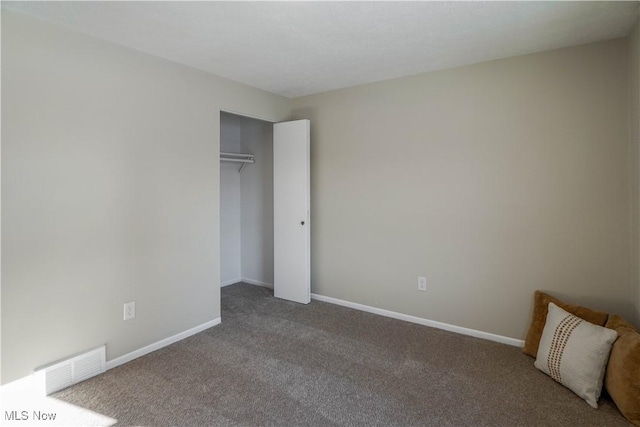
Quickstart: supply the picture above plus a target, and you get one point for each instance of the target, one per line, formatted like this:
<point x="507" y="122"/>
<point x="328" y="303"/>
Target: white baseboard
<point x="257" y="283"/>
<point x="230" y="282"/>
<point x="421" y="321"/>
<point x="160" y="344"/>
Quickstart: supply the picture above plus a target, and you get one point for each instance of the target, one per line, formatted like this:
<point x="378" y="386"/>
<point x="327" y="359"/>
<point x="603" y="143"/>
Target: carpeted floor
<point x="273" y="362"/>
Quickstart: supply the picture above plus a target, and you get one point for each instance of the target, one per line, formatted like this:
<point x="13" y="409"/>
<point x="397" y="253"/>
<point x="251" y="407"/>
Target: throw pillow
<point x="622" y="379"/>
<point x="540" y="303"/>
<point x="574" y="352"/>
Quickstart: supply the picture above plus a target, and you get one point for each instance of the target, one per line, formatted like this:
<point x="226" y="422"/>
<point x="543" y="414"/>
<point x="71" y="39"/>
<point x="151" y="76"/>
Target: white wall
<point x="230" y="241"/>
<point x="257" y="202"/>
<point x="110" y="193"/>
<point x="492" y="180"/>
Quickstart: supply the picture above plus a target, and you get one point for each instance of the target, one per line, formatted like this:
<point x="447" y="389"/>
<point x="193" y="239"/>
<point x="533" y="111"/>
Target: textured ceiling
<point x="295" y="49"/>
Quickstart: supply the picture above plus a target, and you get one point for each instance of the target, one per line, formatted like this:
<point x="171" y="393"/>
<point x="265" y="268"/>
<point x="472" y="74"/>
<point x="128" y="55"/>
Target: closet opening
<point x="246" y="201"/>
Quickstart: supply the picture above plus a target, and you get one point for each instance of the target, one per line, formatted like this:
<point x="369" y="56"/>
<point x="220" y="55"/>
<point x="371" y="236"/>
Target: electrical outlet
<point x="129" y="310"/>
<point x="422" y="284"/>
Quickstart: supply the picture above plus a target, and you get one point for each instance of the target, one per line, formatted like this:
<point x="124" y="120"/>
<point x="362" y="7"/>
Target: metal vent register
<point x="71" y="371"/>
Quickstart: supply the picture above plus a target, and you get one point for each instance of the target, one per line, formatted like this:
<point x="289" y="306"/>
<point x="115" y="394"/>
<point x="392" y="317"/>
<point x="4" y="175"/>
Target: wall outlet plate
<point x="129" y="310"/>
<point x="422" y="284"/>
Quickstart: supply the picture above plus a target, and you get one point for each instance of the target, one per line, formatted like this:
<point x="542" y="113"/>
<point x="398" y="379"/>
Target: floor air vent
<point x="67" y="372"/>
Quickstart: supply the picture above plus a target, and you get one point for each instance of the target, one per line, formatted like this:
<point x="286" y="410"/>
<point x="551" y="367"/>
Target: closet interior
<point x="246" y="200"/>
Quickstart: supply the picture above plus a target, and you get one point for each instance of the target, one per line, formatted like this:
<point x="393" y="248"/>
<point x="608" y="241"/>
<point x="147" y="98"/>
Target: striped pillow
<point x="574" y="353"/>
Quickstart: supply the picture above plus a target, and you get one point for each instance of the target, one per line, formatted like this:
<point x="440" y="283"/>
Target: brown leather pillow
<point x="541" y="305"/>
<point x="622" y="379"/>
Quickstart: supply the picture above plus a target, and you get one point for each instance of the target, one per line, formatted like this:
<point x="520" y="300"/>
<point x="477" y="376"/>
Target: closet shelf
<point x="237" y="158"/>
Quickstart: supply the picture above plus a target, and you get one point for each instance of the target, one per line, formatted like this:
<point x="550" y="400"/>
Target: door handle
<point x="301" y="222"/>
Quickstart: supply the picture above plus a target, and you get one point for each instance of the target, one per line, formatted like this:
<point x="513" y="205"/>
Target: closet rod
<point x="238" y="160"/>
<point x="223" y="154"/>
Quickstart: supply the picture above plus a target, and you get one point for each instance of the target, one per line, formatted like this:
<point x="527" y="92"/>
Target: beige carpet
<point x="272" y="362"/>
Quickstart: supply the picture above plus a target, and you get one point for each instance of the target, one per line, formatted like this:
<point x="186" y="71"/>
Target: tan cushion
<point x="540" y="303"/>
<point x="574" y="352"/>
<point x="622" y="379"/>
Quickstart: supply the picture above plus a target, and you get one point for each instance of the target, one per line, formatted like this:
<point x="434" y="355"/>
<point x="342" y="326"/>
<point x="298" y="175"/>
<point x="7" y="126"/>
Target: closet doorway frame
<point x="219" y="243"/>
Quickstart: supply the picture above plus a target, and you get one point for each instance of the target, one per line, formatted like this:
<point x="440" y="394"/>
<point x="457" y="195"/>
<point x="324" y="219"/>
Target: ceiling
<point x="301" y="48"/>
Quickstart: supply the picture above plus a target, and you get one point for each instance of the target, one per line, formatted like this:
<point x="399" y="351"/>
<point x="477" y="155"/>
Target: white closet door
<point x="291" y="204"/>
